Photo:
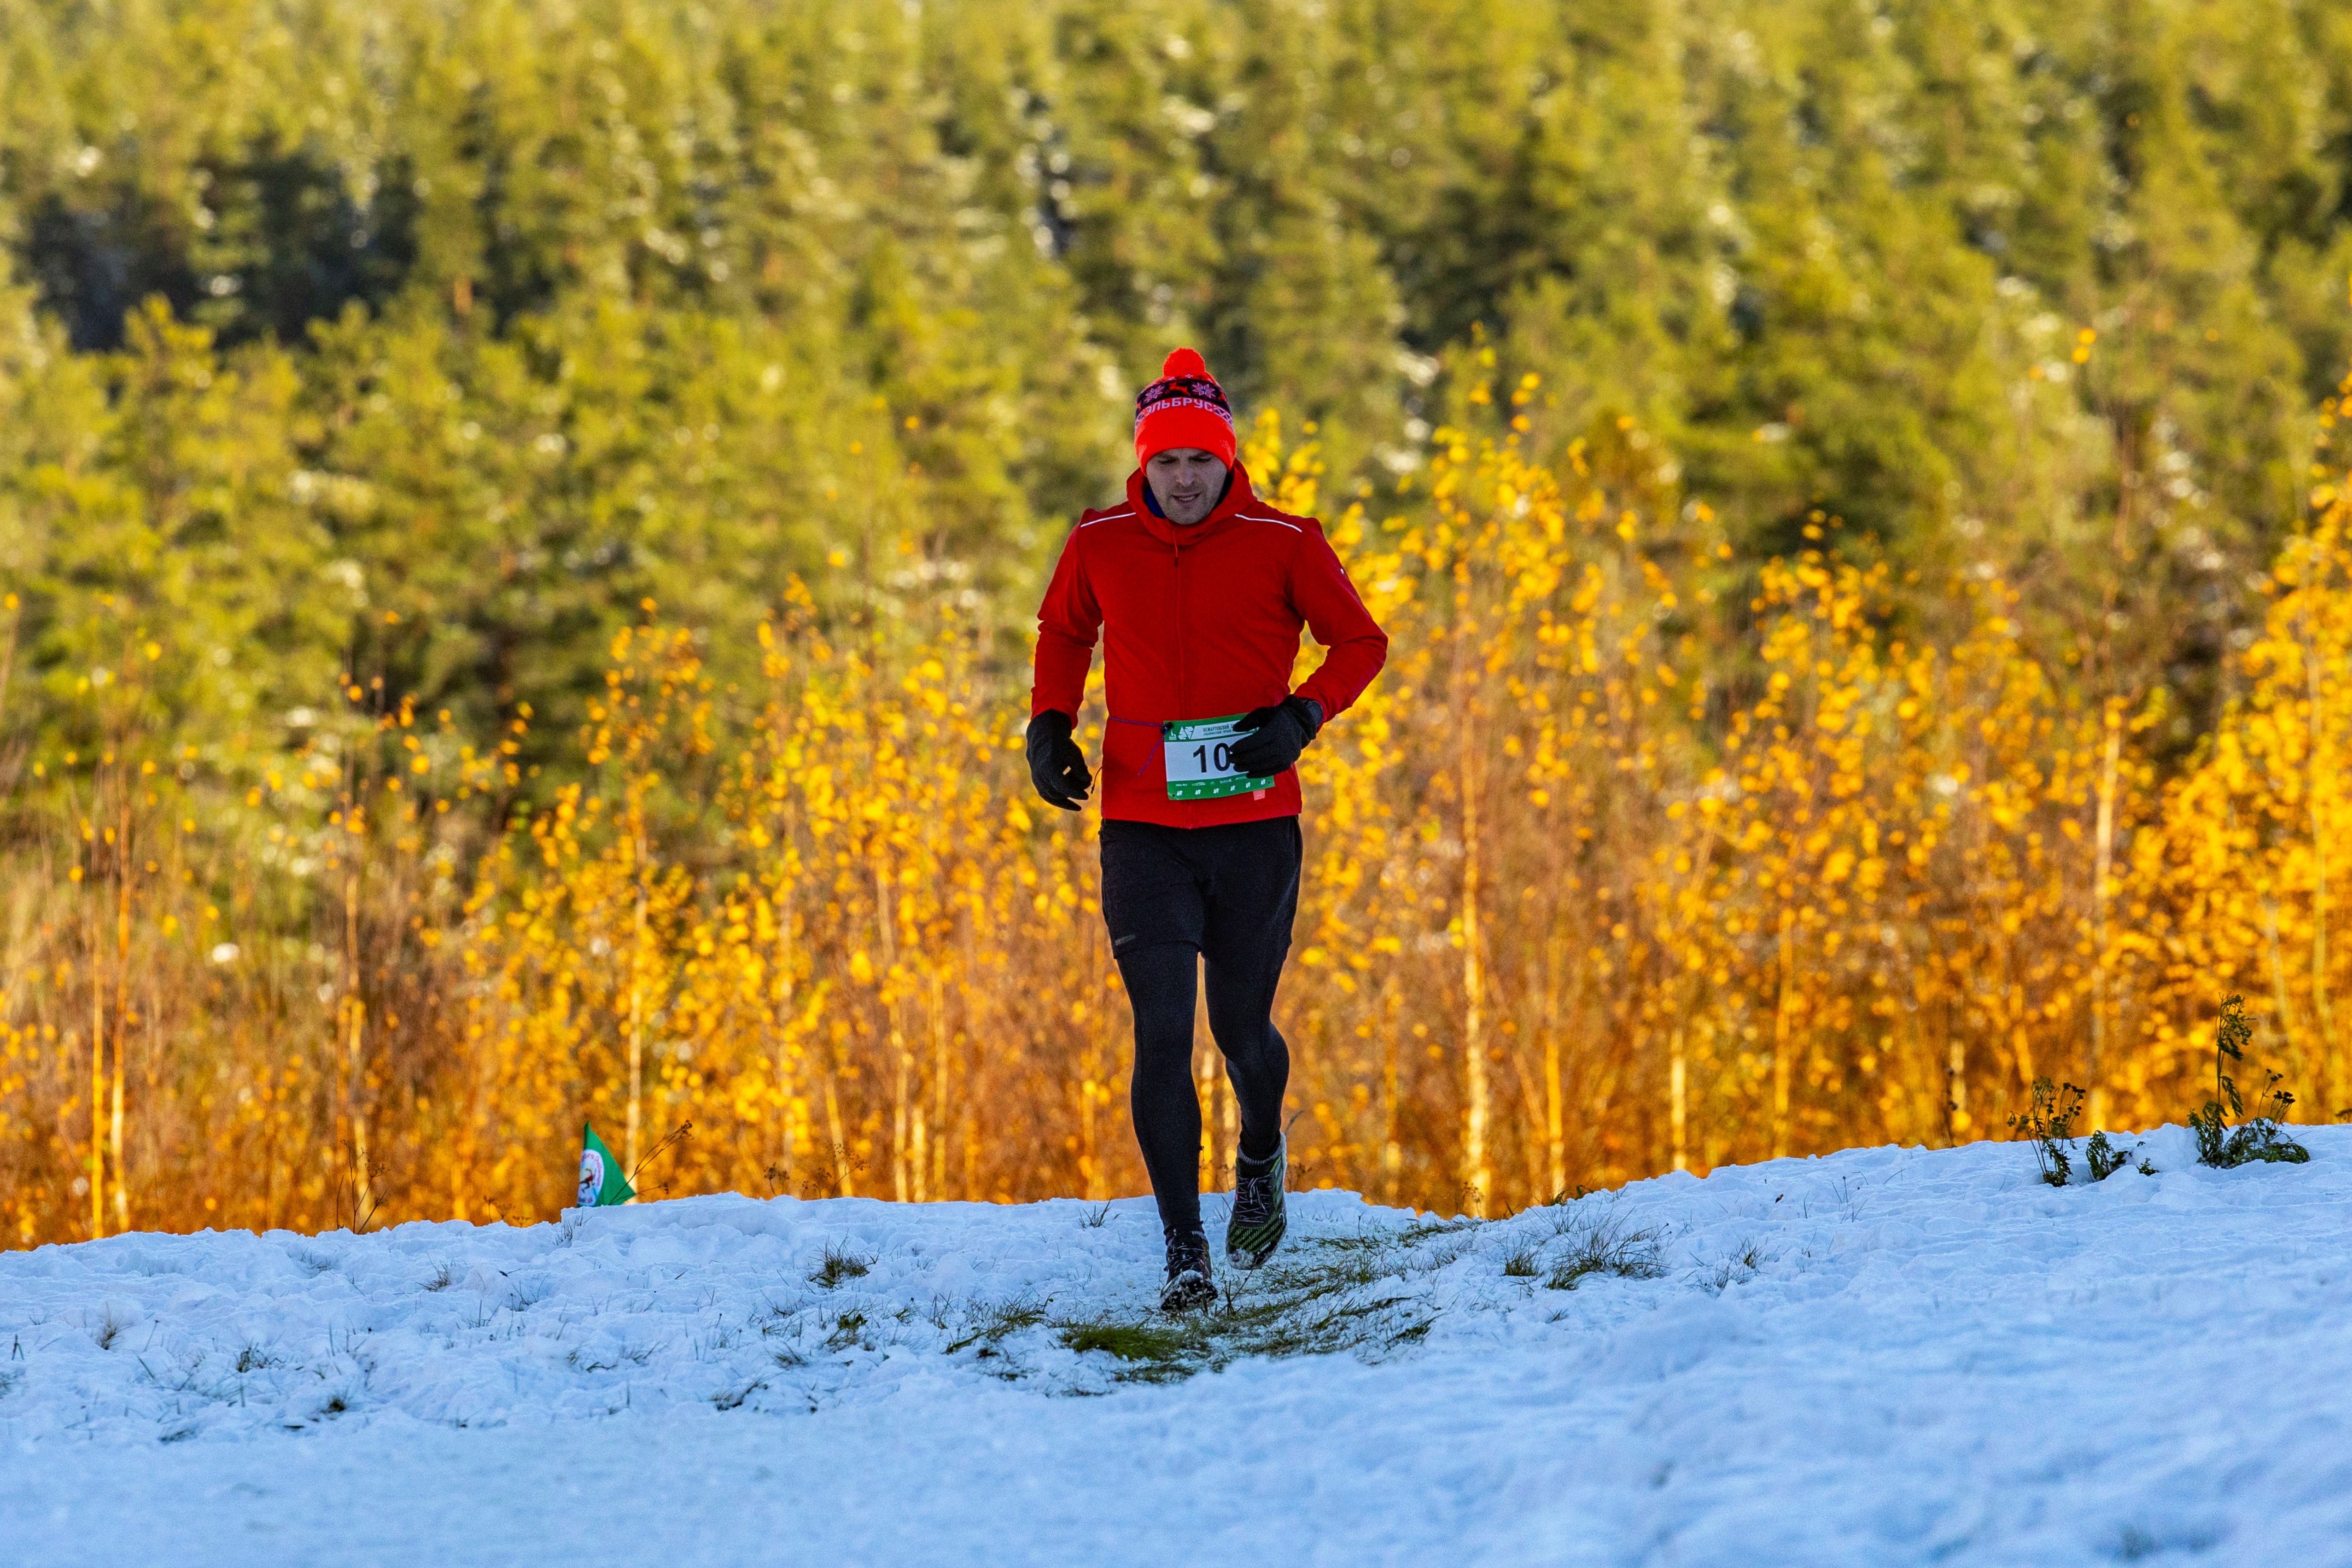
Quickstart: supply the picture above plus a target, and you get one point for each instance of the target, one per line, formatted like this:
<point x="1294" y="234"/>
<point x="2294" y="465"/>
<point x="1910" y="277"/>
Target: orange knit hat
<point x="1185" y="407"/>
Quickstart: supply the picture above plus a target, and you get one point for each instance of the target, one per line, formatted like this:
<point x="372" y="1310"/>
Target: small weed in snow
<point x="731" y="1397"/>
<point x="2106" y="1159"/>
<point x="848" y="1330"/>
<point x="1603" y="1242"/>
<point x="839" y="1265"/>
<point x="2259" y="1138"/>
<point x="1743" y="1265"/>
<point x="2048" y="1120"/>
<point x="992" y="1323"/>
<point x="2049" y="1123"/>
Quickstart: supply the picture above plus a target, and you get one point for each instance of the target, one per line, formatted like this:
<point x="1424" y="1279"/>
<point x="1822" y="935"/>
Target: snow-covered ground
<point x="1885" y="1356"/>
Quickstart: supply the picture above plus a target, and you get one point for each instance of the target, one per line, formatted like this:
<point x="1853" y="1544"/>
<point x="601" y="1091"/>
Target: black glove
<point x="1276" y="735"/>
<point x="1056" y="766"/>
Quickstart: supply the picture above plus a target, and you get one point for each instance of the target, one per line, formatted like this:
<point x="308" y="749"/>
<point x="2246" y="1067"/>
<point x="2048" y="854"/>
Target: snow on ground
<point x="1884" y="1356"/>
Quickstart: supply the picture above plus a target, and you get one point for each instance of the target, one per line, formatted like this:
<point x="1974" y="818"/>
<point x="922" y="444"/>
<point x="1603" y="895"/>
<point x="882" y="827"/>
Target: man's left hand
<point x="1274" y="737"/>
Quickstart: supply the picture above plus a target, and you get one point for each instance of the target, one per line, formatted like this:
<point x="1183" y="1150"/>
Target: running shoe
<point x="1187" y="1288"/>
<point x="1258" y="1218"/>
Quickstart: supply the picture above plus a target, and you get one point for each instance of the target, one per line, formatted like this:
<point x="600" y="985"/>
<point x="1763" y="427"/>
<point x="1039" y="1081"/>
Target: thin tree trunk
<point x="1554" y="1107"/>
<point x="1677" y="1109"/>
<point x="1392" y="1074"/>
<point x="844" y="1184"/>
<point x="1955" y="1081"/>
<point x="900" y="1189"/>
<point x="969" y="1140"/>
<point x="8" y="652"/>
<point x="902" y="1078"/>
<point x="1686" y="1005"/>
<point x="2277" y="964"/>
<point x="1474" y="1093"/>
<point x="1205" y="1062"/>
<point x="931" y="1173"/>
<point x="636" y="1008"/>
<point x="1090" y="1177"/>
<point x="1089" y="1151"/>
<point x="782" y="997"/>
<point x="122" y="863"/>
<point x="114" y="1130"/>
<point x="355" y="1065"/>
<point x="1782" y="1046"/>
<point x="1555" y="1130"/>
<point x="1229" y="1116"/>
<point x="97" y="1075"/>
<point x="2106" y="860"/>
<point x="975" y="1077"/>
<point x="150" y="1061"/>
<point x="2322" y="1011"/>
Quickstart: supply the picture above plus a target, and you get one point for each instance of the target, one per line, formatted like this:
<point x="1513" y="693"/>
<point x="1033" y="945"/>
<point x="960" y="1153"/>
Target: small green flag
<point x="601" y="1181"/>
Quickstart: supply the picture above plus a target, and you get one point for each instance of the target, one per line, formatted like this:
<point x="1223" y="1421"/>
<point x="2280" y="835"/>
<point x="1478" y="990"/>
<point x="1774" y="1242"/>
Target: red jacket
<point x="1200" y="621"/>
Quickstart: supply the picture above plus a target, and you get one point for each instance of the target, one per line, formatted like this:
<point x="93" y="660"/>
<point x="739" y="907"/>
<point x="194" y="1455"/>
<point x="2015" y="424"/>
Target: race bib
<point x="1200" y="760"/>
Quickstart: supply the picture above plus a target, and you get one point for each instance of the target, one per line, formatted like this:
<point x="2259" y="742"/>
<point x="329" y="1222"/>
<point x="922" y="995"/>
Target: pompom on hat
<point x="1185" y="407"/>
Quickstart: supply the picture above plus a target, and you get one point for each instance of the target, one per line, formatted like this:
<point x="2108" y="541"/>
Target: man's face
<point x="1188" y="482"/>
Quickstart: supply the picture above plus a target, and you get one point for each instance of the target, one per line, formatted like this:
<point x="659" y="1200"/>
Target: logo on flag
<point x="592" y="1177"/>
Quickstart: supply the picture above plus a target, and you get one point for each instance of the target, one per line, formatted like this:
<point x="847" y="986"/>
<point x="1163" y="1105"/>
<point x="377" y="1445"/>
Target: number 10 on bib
<point x="1200" y="760"/>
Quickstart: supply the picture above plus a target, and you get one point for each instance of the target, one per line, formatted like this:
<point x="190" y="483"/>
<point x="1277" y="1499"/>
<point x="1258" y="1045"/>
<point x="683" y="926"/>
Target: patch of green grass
<point x="1519" y="1263"/>
<point x="1603" y="1243"/>
<point x="1359" y="1241"/>
<point x="1129" y="1342"/>
<point x="994" y="1323"/>
<point x="839" y="1265"/>
<point x="1321" y="1296"/>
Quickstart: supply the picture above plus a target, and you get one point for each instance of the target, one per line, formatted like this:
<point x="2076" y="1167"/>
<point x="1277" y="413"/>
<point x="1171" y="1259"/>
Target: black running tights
<point x="1160" y="1095"/>
<point x="1178" y="900"/>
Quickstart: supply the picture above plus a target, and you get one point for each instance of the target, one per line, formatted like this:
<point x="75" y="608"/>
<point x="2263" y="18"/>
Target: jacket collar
<point x="1239" y="497"/>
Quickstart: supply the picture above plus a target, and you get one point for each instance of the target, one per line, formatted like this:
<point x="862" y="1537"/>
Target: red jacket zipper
<point x="1176" y="554"/>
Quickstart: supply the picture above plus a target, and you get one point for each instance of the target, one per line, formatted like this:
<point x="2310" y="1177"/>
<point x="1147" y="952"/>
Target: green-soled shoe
<point x="1258" y="1219"/>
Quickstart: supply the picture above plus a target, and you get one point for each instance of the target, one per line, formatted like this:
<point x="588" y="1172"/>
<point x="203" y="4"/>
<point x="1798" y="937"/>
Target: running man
<point x="1199" y="589"/>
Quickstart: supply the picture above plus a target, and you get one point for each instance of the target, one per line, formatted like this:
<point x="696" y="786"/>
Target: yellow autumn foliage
<point x="1592" y="892"/>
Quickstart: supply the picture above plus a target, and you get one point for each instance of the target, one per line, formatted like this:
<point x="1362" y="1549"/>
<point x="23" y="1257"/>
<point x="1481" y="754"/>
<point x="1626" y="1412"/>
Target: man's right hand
<point x="1056" y="766"/>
